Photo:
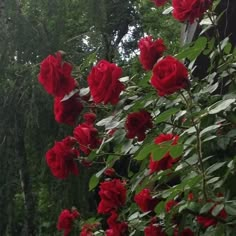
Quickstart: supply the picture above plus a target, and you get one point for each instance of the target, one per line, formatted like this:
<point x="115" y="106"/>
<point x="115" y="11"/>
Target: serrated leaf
<point x="217" y="209"/>
<point x="176" y="150"/>
<point x="166" y="114"/>
<point x="206" y="208"/>
<point x="160" y="207"/>
<point x="145" y="152"/>
<point x="215" y="167"/>
<point x="220" y="106"/>
<point x="93" y="182"/>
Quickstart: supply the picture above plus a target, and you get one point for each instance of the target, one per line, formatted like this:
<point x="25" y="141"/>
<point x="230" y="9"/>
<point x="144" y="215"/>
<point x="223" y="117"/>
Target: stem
<point x="199" y="142"/>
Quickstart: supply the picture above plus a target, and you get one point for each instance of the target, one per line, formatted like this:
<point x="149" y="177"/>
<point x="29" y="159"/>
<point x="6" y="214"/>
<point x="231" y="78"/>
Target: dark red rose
<point x="116" y="228"/>
<point x="60" y="158"/>
<point x="65" y="221"/>
<point x="110" y="172"/>
<point x="104" y="82"/>
<point x="145" y="201"/>
<point x="137" y="124"/>
<point x="189" y="10"/>
<point x="159" y="3"/>
<point x="169" y="75"/>
<point x="89" y="117"/>
<point x="55" y="76"/>
<point x="67" y="111"/>
<point x="207" y="221"/>
<point x="167" y="161"/>
<point x="113" y="196"/>
<point x="87" y="229"/>
<point x="154" y="230"/>
<point x="169" y="205"/>
<point x="150" y="51"/>
<point x="185" y="232"/>
<point x="87" y="137"/>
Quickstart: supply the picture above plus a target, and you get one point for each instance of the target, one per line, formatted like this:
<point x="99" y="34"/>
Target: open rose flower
<point x="167" y="161"/>
<point x="150" y="51"/>
<point x="86" y="134"/>
<point x="145" y="201"/>
<point x="104" y="83"/>
<point x="55" y="76"/>
<point x="65" y="221"/>
<point x="160" y="3"/>
<point x="113" y="196"/>
<point x="189" y="10"/>
<point x="169" y="205"/>
<point x="116" y="228"/>
<point x="169" y="75"/>
<point x="60" y="158"/>
<point x="67" y="111"/>
<point x="137" y="123"/>
<point x="185" y="232"/>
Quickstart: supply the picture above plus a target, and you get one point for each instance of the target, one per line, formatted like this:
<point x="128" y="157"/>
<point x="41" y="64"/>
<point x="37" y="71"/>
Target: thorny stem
<point x="199" y="142"/>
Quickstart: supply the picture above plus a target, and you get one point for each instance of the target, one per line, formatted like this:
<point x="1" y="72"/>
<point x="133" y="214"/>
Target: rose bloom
<point x="55" y="76"/>
<point x="113" y="196"/>
<point x="145" y="201"/>
<point x="154" y="230"/>
<point x="169" y="75"/>
<point x="159" y="3"/>
<point x="110" y="172"/>
<point x="116" y="228"/>
<point x="137" y="123"/>
<point x="104" y="83"/>
<point x="169" y="205"/>
<point x="185" y="232"/>
<point x="150" y="51"/>
<point x="65" y="221"/>
<point x="67" y="111"/>
<point x="60" y="158"/>
<point x="167" y="161"/>
<point x="86" y="134"/>
<point x="87" y="229"/>
<point x="207" y="221"/>
<point x="190" y="9"/>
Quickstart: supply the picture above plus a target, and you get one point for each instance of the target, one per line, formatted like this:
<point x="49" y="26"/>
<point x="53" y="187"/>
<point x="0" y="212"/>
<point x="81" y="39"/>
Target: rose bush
<point x="175" y="180"/>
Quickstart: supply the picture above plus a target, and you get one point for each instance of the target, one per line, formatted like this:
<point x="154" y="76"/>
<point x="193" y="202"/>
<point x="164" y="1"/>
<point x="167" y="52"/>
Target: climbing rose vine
<point x="161" y="142"/>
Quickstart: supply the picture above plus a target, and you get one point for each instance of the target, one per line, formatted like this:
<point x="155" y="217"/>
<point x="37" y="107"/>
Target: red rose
<point x="116" y="228"/>
<point x="65" y="221"/>
<point x="190" y="9"/>
<point x="55" y="76"/>
<point x="150" y="51"/>
<point x="169" y="205"/>
<point x="110" y="172"/>
<point x="167" y="161"/>
<point x="137" y="123"/>
<point x="60" y="158"/>
<point x="113" y="196"/>
<point x="185" y="232"/>
<point x="67" y="111"/>
<point x="159" y="3"/>
<point x="207" y="221"/>
<point x="87" y="135"/>
<point x="169" y="75"/>
<point x="104" y="82"/>
<point x="154" y="230"/>
<point x="145" y="201"/>
<point x="87" y="229"/>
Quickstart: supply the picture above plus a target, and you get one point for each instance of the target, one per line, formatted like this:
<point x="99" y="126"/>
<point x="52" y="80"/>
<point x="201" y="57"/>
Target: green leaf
<point x="215" y="167"/>
<point x="159" y="209"/>
<point x="160" y="151"/>
<point x="144" y="153"/>
<point x="166" y="114"/>
<point x="220" y="106"/>
<point x="176" y="150"/>
<point x="217" y="209"/>
<point x="230" y="210"/>
<point x="208" y="129"/>
<point x="206" y="207"/>
<point x="93" y="182"/>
